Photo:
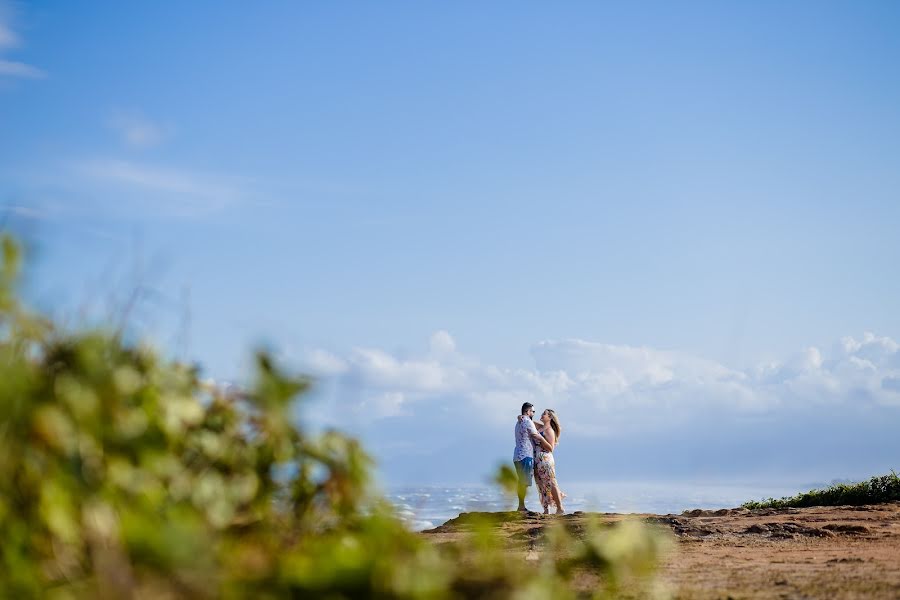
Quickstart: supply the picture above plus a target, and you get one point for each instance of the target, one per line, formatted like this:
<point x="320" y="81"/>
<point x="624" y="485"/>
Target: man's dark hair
<point x="526" y="406"/>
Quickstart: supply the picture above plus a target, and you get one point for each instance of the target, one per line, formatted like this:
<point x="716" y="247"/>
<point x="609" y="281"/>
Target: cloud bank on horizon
<point x="627" y="411"/>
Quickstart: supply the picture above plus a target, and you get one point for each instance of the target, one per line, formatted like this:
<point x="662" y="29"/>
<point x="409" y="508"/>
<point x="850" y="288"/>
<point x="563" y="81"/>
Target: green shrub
<point x="885" y="488"/>
<point x="123" y="475"/>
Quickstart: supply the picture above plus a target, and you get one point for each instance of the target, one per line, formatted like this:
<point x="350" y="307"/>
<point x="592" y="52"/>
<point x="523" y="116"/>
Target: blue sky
<point x="646" y="215"/>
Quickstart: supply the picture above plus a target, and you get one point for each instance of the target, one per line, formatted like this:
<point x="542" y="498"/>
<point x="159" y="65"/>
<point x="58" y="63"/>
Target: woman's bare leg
<point x="557" y="497"/>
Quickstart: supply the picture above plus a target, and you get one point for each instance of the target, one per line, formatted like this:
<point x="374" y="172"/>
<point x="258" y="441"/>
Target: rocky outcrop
<point x="818" y="552"/>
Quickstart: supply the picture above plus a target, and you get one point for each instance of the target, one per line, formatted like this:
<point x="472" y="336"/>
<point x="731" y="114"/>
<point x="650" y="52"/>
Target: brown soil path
<point x="821" y="552"/>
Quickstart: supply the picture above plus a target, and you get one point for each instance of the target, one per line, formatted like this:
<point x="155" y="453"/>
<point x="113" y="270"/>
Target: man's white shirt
<point x="524" y="445"/>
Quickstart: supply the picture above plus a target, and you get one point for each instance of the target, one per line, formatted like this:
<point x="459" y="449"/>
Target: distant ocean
<point x="425" y="507"/>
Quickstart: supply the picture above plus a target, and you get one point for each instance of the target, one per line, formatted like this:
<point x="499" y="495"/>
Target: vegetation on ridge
<point x="885" y="488"/>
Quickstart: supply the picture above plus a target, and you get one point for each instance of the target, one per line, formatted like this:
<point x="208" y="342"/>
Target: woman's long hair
<point x="554" y="423"/>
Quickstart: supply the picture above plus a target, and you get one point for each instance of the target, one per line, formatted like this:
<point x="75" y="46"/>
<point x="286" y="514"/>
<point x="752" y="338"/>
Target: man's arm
<point x="537" y="424"/>
<point x="536" y="438"/>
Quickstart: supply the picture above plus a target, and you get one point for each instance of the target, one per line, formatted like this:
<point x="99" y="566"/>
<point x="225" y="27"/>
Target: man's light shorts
<point x="525" y="469"/>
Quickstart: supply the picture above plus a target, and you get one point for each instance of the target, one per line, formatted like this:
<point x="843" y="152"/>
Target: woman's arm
<point x="545" y="445"/>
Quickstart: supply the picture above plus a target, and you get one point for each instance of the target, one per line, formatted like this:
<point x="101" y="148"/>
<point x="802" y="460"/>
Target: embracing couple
<point x="535" y="442"/>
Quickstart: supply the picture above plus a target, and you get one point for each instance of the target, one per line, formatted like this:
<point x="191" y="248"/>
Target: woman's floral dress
<point x="545" y="475"/>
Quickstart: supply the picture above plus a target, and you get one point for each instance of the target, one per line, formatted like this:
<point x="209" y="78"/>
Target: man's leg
<point x="523" y="485"/>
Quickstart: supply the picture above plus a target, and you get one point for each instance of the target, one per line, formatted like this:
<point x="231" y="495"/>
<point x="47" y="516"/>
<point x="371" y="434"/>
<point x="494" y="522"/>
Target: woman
<point x="545" y="466"/>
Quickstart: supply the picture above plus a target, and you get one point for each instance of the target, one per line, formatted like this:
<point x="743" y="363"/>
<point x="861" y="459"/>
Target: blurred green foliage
<point x="124" y="475"/>
<point x="883" y="488"/>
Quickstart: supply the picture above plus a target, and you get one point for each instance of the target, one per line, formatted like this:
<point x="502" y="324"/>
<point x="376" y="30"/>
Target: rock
<point x="846" y="529"/>
<point x="758" y="529"/>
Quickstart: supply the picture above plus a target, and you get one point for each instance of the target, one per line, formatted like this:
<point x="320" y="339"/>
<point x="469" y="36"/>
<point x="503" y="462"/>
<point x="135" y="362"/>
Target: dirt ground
<point x="822" y="552"/>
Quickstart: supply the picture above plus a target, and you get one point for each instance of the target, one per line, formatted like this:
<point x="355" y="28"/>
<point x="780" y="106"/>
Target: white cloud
<point x="164" y="179"/>
<point x="325" y="363"/>
<point x="116" y="187"/>
<point x="588" y="378"/>
<point x="442" y="343"/>
<point x="386" y="404"/>
<point x="26" y="212"/>
<point x="8" y="37"/>
<point x="137" y="130"/>
<point x="631" y="365"/>
<point x="162" y="190"/>
<point x="875" y="349"/>
<point x="623" y="380"/>
<point x="379" y="369"/>
<point x="11" y="68"/>
<point x="9" y="40"/>
<point x="617" y="394"/>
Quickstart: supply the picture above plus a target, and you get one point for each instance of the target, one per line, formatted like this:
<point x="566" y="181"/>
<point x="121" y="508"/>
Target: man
<point x="523" y="455"/>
